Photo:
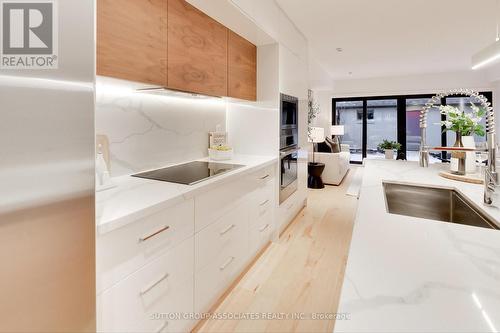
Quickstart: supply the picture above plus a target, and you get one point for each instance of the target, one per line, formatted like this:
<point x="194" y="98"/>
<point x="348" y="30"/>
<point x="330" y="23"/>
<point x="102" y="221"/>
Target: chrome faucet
<point x="491" y="176"/>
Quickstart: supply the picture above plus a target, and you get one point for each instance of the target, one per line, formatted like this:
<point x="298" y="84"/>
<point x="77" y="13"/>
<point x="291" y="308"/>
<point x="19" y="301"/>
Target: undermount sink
<point x="433" y="203"/>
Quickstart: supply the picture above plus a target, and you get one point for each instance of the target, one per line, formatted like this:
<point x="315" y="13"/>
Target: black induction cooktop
<point x="189" y="173"/>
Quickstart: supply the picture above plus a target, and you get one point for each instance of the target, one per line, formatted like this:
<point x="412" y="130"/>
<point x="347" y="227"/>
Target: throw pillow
<point x="334" y="144"/>
<point x="323" y="147"/>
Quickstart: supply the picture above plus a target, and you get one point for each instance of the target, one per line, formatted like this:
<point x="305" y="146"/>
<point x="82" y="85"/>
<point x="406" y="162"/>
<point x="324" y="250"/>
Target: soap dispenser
<point x="103" y="179"/>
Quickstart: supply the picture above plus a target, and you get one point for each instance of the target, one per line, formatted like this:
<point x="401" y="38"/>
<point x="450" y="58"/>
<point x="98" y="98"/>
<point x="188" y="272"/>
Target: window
<point x="350" y="114"/>
<point x="382" y="124"/>
<point x="369" y="115"/>
<point x="369" y="120"/>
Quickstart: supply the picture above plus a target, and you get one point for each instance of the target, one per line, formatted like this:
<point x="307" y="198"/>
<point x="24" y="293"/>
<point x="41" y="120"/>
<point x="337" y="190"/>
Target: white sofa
<point x="336" y="165"/>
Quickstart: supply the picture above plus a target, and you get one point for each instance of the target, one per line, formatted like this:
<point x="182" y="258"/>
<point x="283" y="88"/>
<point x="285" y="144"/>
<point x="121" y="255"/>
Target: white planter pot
<point x="220" y="155"/>
<point x="389" y="154"/>
<point x="470" y="157"/>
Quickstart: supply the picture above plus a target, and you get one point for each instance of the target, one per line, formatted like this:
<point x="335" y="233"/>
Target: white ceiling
<point x="383" y="38"/>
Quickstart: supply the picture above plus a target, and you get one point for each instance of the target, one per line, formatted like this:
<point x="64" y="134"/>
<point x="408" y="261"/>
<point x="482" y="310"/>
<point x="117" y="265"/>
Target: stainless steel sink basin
<point x="433" y="203"/>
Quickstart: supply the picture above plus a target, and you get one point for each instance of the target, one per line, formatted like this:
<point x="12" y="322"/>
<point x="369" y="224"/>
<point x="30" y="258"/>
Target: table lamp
<point x="337" y="131"/>
<point x="316" y="135"/>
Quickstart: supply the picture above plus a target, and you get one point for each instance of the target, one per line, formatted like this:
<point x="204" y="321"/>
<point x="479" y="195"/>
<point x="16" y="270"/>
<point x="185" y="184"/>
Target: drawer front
<point x="265" y="196"/>
<point x="223" y="237"/>
<point x="141" y="302"/>
<point x="264" y="177"/>
<point x="260" y="231"/>
<point x="213" y="204"/>
<point x="125" y="250"/>
<point x="213" y="279"/>
<point x="288" y="210"/>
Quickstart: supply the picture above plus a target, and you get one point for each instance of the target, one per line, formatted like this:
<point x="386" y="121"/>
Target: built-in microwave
<point x="289" y="135"/>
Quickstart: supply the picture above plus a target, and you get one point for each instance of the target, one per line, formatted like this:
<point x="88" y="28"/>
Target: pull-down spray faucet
<point x="491" y="176"/>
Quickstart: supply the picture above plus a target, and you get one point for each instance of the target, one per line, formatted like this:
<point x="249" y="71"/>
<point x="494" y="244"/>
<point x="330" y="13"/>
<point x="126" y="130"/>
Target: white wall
<point x="412" y="84"/>
<point x="324" y="118"/>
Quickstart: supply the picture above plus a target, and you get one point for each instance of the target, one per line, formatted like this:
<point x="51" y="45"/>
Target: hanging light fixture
<point x="489" y="54"/>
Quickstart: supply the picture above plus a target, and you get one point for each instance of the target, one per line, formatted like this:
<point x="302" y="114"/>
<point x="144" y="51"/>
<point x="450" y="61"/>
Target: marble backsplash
<point x="148" y="131"/>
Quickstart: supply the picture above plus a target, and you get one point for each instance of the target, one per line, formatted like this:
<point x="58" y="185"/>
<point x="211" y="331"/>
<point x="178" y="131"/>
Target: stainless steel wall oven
<point x="289" y="141"/>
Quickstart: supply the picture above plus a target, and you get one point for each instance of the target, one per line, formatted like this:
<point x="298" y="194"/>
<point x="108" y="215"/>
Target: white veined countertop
<point x="407" y="274"/>
<point x="134" y="198"/>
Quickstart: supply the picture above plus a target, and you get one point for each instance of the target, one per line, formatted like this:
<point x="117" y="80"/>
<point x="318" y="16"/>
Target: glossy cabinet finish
<point x="165" y="285"/>
<point x="127" y="249"/>
<point x="183" y="258"/>
<point x="197" y="51"/>
<point x="131" y="40"/>
<point x="242" y="68"/>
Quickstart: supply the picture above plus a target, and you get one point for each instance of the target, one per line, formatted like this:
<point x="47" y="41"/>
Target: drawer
<point x="261" y="231"/>
<point x="288" y="210"/>
<point x="213" y="204"/>
<point x="125" y="250"/>
<point x="142" y="301"/>
<point x="264" y="174"/>
<point x="229" y="233"/>
<point x="216" y="276"/>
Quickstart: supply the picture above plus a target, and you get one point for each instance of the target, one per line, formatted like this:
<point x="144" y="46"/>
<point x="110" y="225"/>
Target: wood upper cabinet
<point x="242" y="68"/>
<point x="197" y="51"/>
<point x="131" y="40"/>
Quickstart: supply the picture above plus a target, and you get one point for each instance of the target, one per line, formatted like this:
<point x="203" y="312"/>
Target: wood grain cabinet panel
<point x="242" y="68"/>
<point x="197" y="51"/>
<point x="131" y="40"/>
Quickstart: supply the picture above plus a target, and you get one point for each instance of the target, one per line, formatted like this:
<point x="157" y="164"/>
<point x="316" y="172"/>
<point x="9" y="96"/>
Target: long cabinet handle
<point x="162" y="327"/>
<point x="264" y="227"/>
<point x="262" y="204"/>
<point x="262" y="178"/>
<point x="228" y="261"/>
<point x="145" y="238"/>
<point x="154" y="284"/>
<point x="225" y="231"/>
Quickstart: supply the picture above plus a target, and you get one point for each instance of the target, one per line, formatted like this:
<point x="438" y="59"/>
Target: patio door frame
<point x="401" y="117"/>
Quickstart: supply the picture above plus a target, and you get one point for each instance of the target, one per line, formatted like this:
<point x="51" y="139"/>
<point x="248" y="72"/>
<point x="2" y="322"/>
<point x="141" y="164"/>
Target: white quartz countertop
<point x="134" y="198"/>
<point x="407" y="274"/>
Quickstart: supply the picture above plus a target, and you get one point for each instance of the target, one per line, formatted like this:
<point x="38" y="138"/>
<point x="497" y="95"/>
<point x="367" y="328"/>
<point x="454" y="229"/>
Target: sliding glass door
<point x="434" y="130"/>
<point x="381" y="124"/>
<point x="370" y="120"/>
<point x="350" y="114"/>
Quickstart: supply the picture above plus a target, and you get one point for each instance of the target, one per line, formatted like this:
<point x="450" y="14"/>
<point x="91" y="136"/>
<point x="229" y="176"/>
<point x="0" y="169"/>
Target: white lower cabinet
<point x="125" y="250"/>
<point x="225" y="247"/>
<point x="178" y="262"/>
<point x="150" y="299"/>
<point x="221" y="253"/>
<point x="261" y="222"/>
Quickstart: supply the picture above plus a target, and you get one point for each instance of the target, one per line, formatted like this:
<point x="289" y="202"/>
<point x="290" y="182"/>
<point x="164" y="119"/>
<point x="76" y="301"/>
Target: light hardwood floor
<point x="301" y="273"/>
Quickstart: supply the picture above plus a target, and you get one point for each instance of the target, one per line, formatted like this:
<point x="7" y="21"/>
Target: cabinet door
<point x="197" y="51"/>
<point x="242" y="69"/>
<point x="131" y="40"/>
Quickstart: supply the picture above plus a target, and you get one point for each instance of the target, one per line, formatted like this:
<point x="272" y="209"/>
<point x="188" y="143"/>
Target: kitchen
<point x="184" y="227"/>
<point x="163" y="170"/>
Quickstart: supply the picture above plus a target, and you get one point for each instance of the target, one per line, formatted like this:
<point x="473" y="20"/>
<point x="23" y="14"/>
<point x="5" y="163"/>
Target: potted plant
<point x="312" y="111"/>
<point x="465" y="125"/>
<point x="388" y="147"/>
